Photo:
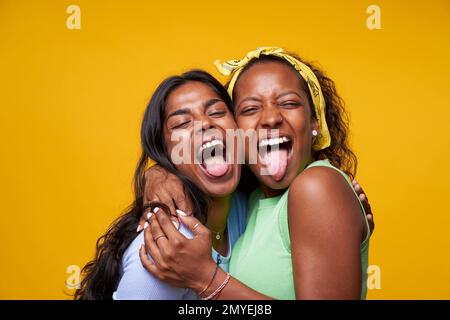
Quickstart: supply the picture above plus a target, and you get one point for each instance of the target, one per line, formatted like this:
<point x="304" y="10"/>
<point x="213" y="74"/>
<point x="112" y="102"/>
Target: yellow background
<point x="71" y="102"/>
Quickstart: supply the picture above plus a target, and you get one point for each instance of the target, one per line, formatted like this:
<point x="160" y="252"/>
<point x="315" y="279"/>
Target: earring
<point x="314" y="133"/>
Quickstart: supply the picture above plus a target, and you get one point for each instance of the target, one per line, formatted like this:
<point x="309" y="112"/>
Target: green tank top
<point x="261" y="258"/>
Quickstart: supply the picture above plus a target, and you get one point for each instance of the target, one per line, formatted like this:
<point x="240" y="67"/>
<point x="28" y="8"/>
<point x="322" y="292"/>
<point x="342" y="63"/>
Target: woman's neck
<point x="269" y="193"/>
<point x="217" y="222"/>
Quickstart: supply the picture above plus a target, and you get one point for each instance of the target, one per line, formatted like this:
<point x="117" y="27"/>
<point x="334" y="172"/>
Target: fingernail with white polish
<point x="176" y="224"/>
<point x="145" y="224"/>
<point x="139" y="228"/>
<point x="149" y="215"/>
<point x="155" y="210"/>
<point x="181" y="213"/>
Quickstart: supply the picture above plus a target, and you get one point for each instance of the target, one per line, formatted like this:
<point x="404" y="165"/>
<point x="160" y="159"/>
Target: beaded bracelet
<point x="211" y="281"/>
<point x="219" y="289"/>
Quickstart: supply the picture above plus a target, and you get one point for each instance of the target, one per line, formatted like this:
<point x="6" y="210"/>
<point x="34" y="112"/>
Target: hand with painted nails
<point x="152" y="208"/>
<point x="365" y="202"/>
<point x="177" y="259"/>
<point x="164" y="187"/>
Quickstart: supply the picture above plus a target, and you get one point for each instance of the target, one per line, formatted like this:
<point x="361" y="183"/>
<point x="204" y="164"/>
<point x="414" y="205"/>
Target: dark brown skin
<point x="270" y="96"/>
<point x="165" y="187"/>
<point x="175" y="263"/>
<point x="191" y="102"/>
<point x="325" y="235"/>
<point x="185" y="106"/>
<point x="180" y="251"/>
<point x="195" y="101"/>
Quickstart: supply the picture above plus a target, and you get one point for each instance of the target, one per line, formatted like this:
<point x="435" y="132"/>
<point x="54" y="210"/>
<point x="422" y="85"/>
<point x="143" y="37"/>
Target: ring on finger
<point x="159" y="236"/>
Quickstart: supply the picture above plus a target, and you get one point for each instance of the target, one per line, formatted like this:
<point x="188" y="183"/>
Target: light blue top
<point x="137" y="283"/>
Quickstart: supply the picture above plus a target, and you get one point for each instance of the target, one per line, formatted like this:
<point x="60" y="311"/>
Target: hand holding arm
<point x="365" y="202"/>
<point x="187" y="262"/>
<point x="165" y="187"/>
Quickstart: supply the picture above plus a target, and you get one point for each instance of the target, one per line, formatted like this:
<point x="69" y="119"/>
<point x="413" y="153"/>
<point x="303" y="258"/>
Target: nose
<point x="205" y="123"/>
<point x="271" y="117"/>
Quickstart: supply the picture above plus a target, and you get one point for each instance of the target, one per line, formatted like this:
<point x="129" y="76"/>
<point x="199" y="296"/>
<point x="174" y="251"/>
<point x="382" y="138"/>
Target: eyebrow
<point x="278" y="97"/>
<point x="249" y="99"/>
<point x="211" y="102"/>
<point x="178" y="112"/>
<point x="206" y="105"/>
<point x="287" y="93"/>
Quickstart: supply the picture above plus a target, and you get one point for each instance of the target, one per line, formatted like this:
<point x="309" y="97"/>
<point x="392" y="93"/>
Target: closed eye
<point x="217" y="114"/>
<point x="181" y="125"/>
<point x="249" y="110"/>
<point x="290" y="104"/>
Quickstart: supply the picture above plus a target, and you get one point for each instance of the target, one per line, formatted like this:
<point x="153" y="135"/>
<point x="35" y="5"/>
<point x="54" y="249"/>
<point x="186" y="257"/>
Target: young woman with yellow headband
<point x="307" y="234"/>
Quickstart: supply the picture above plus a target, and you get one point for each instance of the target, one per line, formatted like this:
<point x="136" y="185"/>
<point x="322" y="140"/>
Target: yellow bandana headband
<point x="234" y="68"/>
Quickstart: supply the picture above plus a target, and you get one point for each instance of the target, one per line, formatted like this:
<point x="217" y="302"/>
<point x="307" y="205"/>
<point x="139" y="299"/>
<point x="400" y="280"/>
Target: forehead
<point x="269" y="76"/>
<point x="189" y="95"/>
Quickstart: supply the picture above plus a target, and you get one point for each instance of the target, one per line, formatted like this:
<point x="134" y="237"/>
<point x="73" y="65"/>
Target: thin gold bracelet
<point x="211" y="281"/>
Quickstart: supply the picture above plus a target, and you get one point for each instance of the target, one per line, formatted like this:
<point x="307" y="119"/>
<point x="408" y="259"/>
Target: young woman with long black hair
<point x="116" y="271"/>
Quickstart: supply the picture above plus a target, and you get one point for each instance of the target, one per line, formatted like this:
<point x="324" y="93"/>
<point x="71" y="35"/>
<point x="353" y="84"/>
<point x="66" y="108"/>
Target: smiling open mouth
<point x="212" y="156"/>
<point x="274" y="154"/>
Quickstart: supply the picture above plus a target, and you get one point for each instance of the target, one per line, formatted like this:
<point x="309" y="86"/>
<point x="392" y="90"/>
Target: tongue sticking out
<point x="216" y="166"/>
<point x="276" y="163"/>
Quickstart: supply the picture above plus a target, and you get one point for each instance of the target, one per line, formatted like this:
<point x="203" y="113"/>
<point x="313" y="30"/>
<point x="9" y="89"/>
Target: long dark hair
<point x="339" y="152"/>
<point x="102" y="274"/>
